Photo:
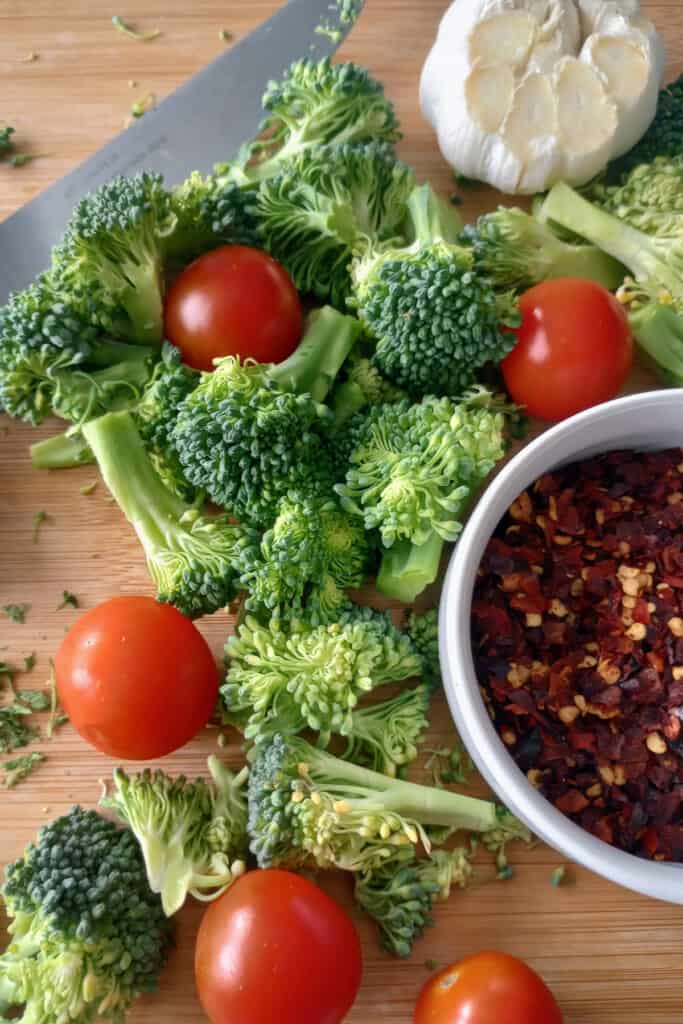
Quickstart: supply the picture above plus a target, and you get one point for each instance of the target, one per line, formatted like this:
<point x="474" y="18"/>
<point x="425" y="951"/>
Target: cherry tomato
<point x="574" y="349"/>
<point x="136" y="678"/>
<point x="234" y="301"/>
<point x="275" y="949"/>
<point x="489" y="988"/>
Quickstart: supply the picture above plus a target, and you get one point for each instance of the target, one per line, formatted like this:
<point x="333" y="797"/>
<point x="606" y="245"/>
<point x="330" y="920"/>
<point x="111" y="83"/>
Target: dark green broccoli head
<point x="312" y="214"/>
<point x="664" y="137"/>
<point x="208" y="212"/>
<point x="423" y="630"/>
<point x="88" y="935"/>
<point x="307" y="558"/>
<point x="110" y="256"/>
<point x="436" y="321"/>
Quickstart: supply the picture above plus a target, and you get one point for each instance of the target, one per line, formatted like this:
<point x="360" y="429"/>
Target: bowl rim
<point x="657" y="879"/>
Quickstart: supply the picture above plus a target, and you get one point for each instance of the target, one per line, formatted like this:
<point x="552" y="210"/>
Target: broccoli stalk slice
<point x="645" y="257"/>
<point x="313" y="366"/>
<point x="63" y="451"/>
<point x="406" y="569"/>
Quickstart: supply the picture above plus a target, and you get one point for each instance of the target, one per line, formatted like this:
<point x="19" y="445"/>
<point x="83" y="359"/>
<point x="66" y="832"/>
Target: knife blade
<point x="202" y="122"/>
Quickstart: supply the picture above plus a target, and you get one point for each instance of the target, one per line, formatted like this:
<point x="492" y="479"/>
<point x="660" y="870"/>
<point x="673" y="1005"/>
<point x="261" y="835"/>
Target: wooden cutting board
<point x="608" y="955"/>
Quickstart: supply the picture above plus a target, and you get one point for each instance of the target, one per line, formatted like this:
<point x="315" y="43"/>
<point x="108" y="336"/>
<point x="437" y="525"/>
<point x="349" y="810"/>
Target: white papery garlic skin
<point x="524" y="93"/>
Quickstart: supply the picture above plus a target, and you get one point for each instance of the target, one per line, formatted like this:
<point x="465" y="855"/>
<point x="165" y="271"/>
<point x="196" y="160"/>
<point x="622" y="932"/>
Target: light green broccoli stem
<point x="644" y="257"/>
<point x="312" y="368"/>
<point x="407" y="569"/>
<point x="431" y="218"/>
<point x="64" y="451"/>
<point x="658" y="329"/>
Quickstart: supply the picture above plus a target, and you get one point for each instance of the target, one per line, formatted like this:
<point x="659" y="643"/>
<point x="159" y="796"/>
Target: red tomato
<point x="234" y="301"/>
<point x="489" y="988"/>
<point x="136" y="678"/>
<point x="275" y="949"/>
<point x="574" y="349"/>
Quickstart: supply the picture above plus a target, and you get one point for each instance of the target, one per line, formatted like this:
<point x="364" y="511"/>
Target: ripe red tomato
<point x="136" y="678"/>
<point x="489" y="988"/>
<point x="275" y="949"/>
<point x="574" y="349"/>
<point x="234" y="301"/>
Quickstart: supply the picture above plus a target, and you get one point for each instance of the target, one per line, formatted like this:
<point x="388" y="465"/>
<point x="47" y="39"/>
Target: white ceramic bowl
<point x="647" y="421"/>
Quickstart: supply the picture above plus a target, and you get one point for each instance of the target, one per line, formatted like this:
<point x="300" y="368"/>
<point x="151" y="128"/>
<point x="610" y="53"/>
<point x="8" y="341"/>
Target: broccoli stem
<point x="312" y="368"/>
<point x="431" y="217"/>
<point x="64" y="451"/>
<point x="144" y="303"/>
<point x="406" y="569"/>
<point x="349" y="399"/>
<point x="585" y="262"/>
<point x="636" y="250"/>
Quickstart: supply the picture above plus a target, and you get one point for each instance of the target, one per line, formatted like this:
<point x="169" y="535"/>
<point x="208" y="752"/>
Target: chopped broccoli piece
<point x="435" y="319"/>
<point x="297" y="676"/>
<point x="192" y="834"/>
<point x="311" y="553"/>
<point x="39" y="518"/>
<point x="516" y="251"/>
<point x="316" y="104"/>
<point x="86" y="934"/>
<point x="384" y="736"/>
<point x="413" y="470"/>
<point x="399" y="894"/>
<point x="250" y="433"/>
<point x="423" y="630"/>
<point x="664" y="137"/>
<point x="110" y="258"/>
<point x="16" y="770"/>
<point x="306" y="804"/>
<point x="192" y="557"/>
<point x="315" y="211"/>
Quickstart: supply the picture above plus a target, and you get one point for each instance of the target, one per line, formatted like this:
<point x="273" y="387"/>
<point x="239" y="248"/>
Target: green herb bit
<point x="88" y="489"/>
<point x="20" y="159"/>
<point x="558" y="876"/>
<point x="225" y="36"/>
<point x="34" y="700"/>
<point x="57" y="716"/>
<point x="20" y="768"/>
<point x="16" y="612"/>
<point x="128" y="30"/>
<point x="144" y="105"/>
<point x="69" y="600"/>
<point x="38" y="520"/>
<point x="29" y="662"/>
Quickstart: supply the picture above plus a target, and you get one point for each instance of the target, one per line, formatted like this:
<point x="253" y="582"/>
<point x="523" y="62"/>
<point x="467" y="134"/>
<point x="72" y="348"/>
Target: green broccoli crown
<point x="423" y="631"/>
<point x="663" y="138"/>
<point x="399" y="894"/>
<point x="413" y="468"/>
<point x="385" y="736"/>
<point x="312" y="214"/>
<point x="110" y="256"/>
<point x="435" y="318"/>
<point x="310" y="676"/>
<point x="307" y="804"/>
<point x="88" y="936"/>
<point x="52" y="360"/>
<point x="311" y="553"/>
<point x="250" y="433"/>
<point x="192" y="834"/>
<point x="208" y="212"/>
<point x="650" y="197"/>
<point x="193" y="558"/>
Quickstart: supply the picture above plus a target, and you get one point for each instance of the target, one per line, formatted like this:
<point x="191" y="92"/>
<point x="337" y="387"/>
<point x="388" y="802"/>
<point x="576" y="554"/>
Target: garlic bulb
<point x="523" y="93"/>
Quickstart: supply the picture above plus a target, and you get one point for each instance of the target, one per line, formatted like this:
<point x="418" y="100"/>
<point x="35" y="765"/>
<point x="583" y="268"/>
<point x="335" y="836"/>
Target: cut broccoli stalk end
<point x="64" y="451"/>
<point x="407" y="569"/>
<point x="313" y="367"/>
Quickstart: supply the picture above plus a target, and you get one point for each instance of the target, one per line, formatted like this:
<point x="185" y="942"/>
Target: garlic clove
<point x="504" y="38"/>
<point x="489" y="90"/>
<point x="587" y="119"/>
<point x="595" y="14"/>
<point x="530" y="131"/>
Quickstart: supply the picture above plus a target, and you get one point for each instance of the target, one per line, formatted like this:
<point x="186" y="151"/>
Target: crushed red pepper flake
<point x="577" y="628"/>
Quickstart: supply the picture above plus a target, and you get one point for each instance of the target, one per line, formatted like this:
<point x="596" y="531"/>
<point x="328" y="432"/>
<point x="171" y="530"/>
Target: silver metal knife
<point x="203" y="122"/>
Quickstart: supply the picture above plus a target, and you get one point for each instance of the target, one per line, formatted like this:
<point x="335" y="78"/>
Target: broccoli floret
<point x="299" y="676"/>
<point x="413" y="471"/>
<point x="515" y="251"/>
<point x="423" y="630"/>
<point x="311" y="553"/>
<point x="316" y="104"/>
<point x="191" y="557"/>
<point x="52" y="361"/>
<point x="208" y="212"/>
<point x="251" y="433"/>
<point x="650" y="198"/>
<point x="436" y="320"/>
<point x="110" y="258"/>
<point x="654" y="294"/>
<point x="664" y="137"/>
<point x="361" y="385"/>
<point x="314" y="212"/>
<point x="192" y="834"/>
<point x="86" y="934"/>
<point x="307" y="805"/>
<point x="385" y="736"/>
<point x="400" y="893"/>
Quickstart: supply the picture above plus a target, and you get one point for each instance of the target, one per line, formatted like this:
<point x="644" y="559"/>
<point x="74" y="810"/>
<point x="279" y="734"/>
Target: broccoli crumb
<point x="431" y="965"/>
<point x="38" y="520"/>
<point x="69" y="600"/>
<point x="57" y="716"/>
<point x="144" y="105"/>
<point x="127" y="29"/>
<point x="505" y="873"/>
<point x="88" y="489"/>
<point x="225" y="36"/>
<point x="558" y="876"/>
<point x="16" y="612"/>
<point x="19" y="768"/>
<point x="29" y="662"/>
<point x="449" y="764"/>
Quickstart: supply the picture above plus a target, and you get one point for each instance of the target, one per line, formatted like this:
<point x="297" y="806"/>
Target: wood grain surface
<point x="609" y="955"/>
